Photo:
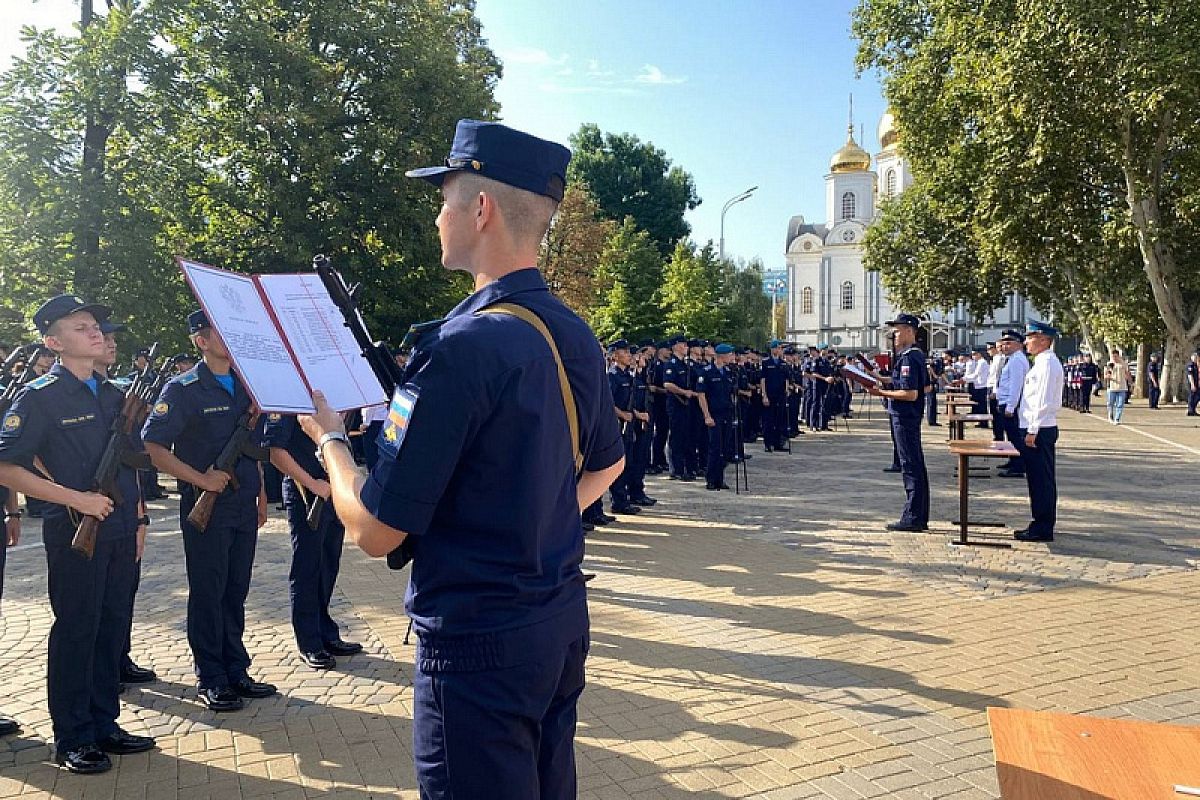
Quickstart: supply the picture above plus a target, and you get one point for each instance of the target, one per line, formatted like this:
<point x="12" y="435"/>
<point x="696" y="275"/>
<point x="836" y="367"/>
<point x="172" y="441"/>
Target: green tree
<point x="747" y="308"/>
<point x="572" y="250"/>
<point x="627" y="279"/>
<point x="631" y="178"/>
<point x="692" y="294"/>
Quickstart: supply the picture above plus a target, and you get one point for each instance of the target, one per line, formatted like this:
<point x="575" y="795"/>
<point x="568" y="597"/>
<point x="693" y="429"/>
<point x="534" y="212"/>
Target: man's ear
<point x="485" y="209"/>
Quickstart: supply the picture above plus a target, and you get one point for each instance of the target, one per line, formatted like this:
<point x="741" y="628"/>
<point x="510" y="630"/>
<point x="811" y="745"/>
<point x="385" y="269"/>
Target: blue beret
<point x="775" y="343"/>
<point x="503" y="154"/>
<point x="906" y="319"/>
<point x="64" y="305"/>
<point x="1043" y="328"/>
<point x="197" y="321"/>
<point x="724" y="349"/>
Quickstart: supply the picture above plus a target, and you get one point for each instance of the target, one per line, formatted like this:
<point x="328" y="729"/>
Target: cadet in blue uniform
<point x="1153" y="380"/>
<point x="936" y="370"/>
<point x="716" y="386"/>
<point x="620" y="383"/>
<point x="773" y="382"/>
<point x="697" y="437"/>
<point x="478" y="481"/>
<point x="1193" y="384"/>
<point x="62" y="420"/>
<point x="636" y="481"/>
<point x="677" y="380"/>
<point x="659" y="398"/>
<point x="316" y="552"/>
<point x="906" y="400"/>
<point x="193" y="419"/>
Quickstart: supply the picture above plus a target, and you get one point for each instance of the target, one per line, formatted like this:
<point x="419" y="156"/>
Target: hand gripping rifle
<point x="118" y="452"/>
<point x="241" y="443"/>
<point x="376" y="353"/>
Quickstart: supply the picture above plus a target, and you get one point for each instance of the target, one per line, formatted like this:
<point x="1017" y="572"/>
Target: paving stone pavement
<point x="776" y="644"/>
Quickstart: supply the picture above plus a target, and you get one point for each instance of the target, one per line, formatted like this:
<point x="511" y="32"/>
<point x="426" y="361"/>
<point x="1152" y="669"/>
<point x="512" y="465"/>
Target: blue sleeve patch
<point x="399" y="416"/>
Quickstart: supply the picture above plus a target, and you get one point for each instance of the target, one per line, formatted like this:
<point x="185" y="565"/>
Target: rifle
<point x="117" y="452"/>
<point x="376" y="353"/>
<point x="23" y="359"/>
<point x="240" y="443"/>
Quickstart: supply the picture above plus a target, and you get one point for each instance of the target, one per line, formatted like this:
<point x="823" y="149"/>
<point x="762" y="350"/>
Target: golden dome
<point x="888" y="135"/>
<point x="851" y="158"/>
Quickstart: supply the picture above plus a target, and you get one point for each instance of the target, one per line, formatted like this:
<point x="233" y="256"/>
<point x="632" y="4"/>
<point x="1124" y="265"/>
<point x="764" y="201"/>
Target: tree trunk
<point x="88" y="277"/>
<point x="1174" y="371"/>
<point x="1140" y="381"/>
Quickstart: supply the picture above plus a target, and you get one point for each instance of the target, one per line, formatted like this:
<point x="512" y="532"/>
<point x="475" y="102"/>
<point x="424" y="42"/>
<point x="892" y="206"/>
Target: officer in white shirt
<point x="996" y="365"/>
<point x="1041" y="399"/>
<point x="1010" y="381"/>
<point x="976" y="380"/>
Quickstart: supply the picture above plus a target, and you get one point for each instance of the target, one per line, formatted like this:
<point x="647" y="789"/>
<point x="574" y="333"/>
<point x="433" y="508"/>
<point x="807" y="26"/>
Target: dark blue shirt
<point x="909" y="372"/>
<point x="679" y="373"/>
<point x="717" y="385"/>
<point x="195" y="417"/>
<point x="284" y="431"/>
<point x="774" y="377"/>
<point x="57" y="418"/>
<point x="620" y="383"/>
<point x="475" y="465"/>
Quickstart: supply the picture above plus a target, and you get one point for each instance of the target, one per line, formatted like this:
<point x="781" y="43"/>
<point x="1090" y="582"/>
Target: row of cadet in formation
<point x="688" y="407"/>
<point x="56" y="428"/>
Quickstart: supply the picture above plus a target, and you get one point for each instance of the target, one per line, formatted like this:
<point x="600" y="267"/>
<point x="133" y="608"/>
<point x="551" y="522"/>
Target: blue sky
<point x="737" y="93"/>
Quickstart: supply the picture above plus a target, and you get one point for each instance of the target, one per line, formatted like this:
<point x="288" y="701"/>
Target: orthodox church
<point x="832" y="299"/>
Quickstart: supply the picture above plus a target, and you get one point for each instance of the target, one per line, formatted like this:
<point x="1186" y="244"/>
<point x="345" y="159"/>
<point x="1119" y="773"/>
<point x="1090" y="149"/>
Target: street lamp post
<point x="730" y="203"/>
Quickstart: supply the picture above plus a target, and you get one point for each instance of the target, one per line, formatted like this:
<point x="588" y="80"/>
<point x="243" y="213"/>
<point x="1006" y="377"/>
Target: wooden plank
<point x="1047" y="756"/>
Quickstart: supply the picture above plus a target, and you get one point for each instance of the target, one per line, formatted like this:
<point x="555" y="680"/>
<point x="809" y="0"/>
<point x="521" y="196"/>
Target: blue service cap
<point x="906" y="319"/>
<point x="664" y="344"/>
<point x="503" y="154"/>
<point x="619" y="344"/>
<point x="695" y="343"/>
<point x="142" y="352"/>
<point x="175" y="359"/>
<point x="108" y="326"/>
<point x="197" y="321"/>
<point x="64" y="305"/>
<point x="645" y="343"/>
<point x="1012" y="335"/>
<point x="1042" y="328"/>
<point x="724" y="349"/>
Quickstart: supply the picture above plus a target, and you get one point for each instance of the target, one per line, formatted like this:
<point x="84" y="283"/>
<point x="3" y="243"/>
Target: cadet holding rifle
<point x="317" y="536"/>
<point x="63" y="421"/>
<point x="201" y="416"/>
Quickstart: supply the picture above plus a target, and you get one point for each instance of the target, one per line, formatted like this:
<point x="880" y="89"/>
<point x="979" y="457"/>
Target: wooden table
<point x="965" y="450"/>
<point x="958" y="424"/>
<point x="1045" y="756"/>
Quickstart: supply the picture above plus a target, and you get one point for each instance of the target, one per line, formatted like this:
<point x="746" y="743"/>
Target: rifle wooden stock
<point x="202" y="511"/>
<point x="84" y="542"/>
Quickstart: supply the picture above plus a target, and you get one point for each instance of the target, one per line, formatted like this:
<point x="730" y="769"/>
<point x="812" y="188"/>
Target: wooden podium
<point x="1045" y="756"/>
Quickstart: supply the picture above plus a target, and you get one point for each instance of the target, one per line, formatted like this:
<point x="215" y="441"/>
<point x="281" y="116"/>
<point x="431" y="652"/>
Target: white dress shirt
<point x="1011" y="381"/>
<point x="994" y="370"/>
<point x="971" y="370"/>
<point x="1042" y="396"/>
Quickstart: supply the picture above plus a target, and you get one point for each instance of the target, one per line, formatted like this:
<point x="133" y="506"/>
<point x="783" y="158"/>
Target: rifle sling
<point x="564" y="385"/>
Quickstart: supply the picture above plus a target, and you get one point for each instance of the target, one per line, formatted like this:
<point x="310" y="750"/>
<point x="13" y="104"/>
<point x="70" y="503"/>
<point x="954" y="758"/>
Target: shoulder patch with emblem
<point x="398" y="420"/>
<point x="188" y="379"/>
<point x="274" y="417"/>
<point x="161" y="408"/>
<point x="12" y="422"/>
<point x="42" y="382"/>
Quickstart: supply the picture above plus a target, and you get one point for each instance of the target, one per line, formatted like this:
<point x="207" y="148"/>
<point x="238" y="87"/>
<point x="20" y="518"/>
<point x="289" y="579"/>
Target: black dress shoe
<point x="724" y="486"/>
<point x="891" y="469"/>
<point x="85" y="760"/>
<point x="248" y="688"/>
<point x="9" y="726"/>
<point x="1004" y="473"/>
<point x="220" y="699"/>
<point x="318" y="659"/>
<point x="132" y="673"/>
<point x="1026" y="536"/>
<point x="900" y="526"/>
<point x="712" y="487"/>
<point x="644" y="501"/>
<point x="607" y="519"/>
<point x="768" y="449"/>
<point x="588" y="527"/>
<point x="340" y="647"/>
<point x="627" y="510"/>
<point x="120" y="743"/>
<point x="687" y="478"/>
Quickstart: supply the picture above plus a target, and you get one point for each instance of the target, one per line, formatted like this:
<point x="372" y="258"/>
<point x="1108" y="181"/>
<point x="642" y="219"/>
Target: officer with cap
<point x="130" y="671"/>
<point x="194" y="417"/>
<point x="1153" y="380"/>
<point x="772" y="383"/>
<point x="620" y="383"/>
<point x="62" y="421"/>
<point x="1041" y="400"/>
<point x="643" y="433"/>
<point x="1193" y="384"/>
<point x="182" y="362"/>
<point x="906" y="400"/>
<point x="659" y="398"/>
<point x="716" y="386"/>
<point x="478" y="481"/>
<point x="697" y="438"/>
<point x="677" y="380"/>
<point x="1010" y="382"/>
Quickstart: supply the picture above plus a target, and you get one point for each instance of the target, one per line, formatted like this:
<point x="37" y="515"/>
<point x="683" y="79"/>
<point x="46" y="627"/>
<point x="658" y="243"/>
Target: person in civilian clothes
<point x="1041" y="400"/>
<point x="59" y="425"/>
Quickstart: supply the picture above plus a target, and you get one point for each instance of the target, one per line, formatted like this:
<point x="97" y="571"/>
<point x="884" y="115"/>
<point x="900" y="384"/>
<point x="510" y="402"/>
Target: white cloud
<point x="533" y="56"/>
<point x="653" y="75"/>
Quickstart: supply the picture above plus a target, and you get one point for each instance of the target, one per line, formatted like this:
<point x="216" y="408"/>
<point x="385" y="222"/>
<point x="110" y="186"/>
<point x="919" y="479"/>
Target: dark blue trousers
<point x="219" y="562"/>
<point x="912" y="468"/>
<point x="662" y="426"/>
<point x="697" y="441"/>
<point x="642" y="441"/>
<point x="720" y="449"/>
<point x="679" y="417"/>
<point x="90" y="600"/>
<point x="1039" y="474"/>
<point x="1012" y="432"/>
<point x="620" y="487"/>
<point x="316" y="557"/>
<point x="774" y="423"/>
<point x="503" y="734"/>
<point x="137" y="580"/>
<point x="931" y="407"/>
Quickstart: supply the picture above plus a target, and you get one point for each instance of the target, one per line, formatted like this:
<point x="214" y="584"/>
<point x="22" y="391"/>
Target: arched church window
<point x="847" y="296"/>
<point x="806" y="300"/>
<point x="848" y="207"/>
<point x="890" y="183"/>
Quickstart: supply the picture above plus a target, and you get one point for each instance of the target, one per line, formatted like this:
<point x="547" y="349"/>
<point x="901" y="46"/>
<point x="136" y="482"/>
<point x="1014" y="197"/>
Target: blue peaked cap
<point x="503" y="154"/>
